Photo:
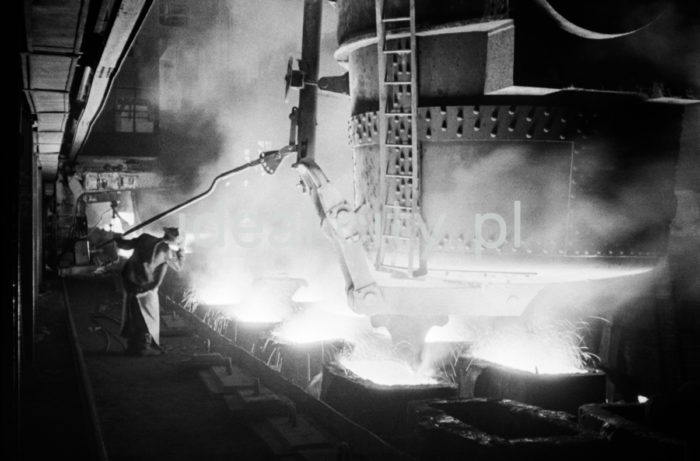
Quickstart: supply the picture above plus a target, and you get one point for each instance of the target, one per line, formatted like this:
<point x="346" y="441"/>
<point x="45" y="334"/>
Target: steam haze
<point x="222" y="103"/>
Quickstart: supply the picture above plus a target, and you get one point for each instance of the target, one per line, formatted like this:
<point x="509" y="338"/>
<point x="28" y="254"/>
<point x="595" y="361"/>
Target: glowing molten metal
<point x="542" y="352"/>
<point x="387" y="372"/>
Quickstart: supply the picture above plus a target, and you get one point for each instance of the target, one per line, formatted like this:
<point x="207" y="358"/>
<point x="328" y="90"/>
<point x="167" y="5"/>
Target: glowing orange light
<point x="387" y="372"/>
<point x="248" y="313"/>
<point x="548" y="351"/>
<point x="316" y="325"/>
<point x="217" y="296"/>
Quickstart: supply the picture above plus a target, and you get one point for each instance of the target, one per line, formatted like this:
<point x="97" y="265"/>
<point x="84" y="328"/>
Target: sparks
<point x="546" y="351"/>
<point x="387" y="372"/>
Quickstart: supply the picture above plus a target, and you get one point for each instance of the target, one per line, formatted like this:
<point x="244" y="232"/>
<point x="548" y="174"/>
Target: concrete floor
<point x="152" y="407"/>
<point x="52" y="421"/>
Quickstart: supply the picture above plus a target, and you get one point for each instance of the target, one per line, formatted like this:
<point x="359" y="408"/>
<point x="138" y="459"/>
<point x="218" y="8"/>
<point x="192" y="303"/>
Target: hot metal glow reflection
<point x="542" y="352"/>
<point x="265" y="301"/>
<point x="247" y="313"/>
<point x="115" y="223"/>
<point x="525" y="273"/>
<point x="217" y="296"/>
<point x="317" y="325"/>
<point x="387" y="372"/>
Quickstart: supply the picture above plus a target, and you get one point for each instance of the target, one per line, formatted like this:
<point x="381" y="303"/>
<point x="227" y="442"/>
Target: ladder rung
<point x="398" y="51"/>
<point x="391" y="93"/>
<point x="397" y="19"/>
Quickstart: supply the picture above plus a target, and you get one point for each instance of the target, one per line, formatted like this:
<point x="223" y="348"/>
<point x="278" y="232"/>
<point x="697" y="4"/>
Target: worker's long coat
<point x="142" y="275"/>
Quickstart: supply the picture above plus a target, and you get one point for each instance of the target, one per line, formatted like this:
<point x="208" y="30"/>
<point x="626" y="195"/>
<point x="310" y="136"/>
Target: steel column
<point x="310" y="58"/>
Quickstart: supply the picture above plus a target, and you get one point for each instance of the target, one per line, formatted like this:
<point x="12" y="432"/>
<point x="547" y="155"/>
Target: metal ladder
<point x="399" y="184"/>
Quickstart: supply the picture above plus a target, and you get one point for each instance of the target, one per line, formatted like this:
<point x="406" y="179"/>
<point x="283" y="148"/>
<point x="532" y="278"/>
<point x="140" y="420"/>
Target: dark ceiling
<point x="70" y="53"/>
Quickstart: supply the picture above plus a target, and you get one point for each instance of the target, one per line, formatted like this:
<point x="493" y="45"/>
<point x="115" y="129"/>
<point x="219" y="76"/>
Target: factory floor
<point x="51" y="421"/>
<point x="152" y="407"/>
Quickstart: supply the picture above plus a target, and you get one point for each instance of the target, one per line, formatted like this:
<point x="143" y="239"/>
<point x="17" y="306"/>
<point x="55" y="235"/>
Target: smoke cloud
<point x="221" y="99"/>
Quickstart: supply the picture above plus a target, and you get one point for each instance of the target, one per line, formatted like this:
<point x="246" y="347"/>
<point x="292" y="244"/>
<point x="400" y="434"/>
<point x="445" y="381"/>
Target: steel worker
<point x="142" y="275"/>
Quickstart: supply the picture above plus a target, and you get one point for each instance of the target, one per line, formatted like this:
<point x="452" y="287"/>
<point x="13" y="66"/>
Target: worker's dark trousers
<point x="134" y="329"/>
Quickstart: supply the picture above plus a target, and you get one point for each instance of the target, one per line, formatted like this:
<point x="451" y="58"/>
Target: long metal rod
<point x="191" y="201"/>
<point x="195" y="199"/>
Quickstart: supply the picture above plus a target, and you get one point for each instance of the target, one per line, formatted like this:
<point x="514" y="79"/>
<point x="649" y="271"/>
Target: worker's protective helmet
<point x="171" y="234"/>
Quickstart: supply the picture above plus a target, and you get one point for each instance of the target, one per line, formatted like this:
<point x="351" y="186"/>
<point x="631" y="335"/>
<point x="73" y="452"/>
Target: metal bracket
<point x="339" y="222"/>
<point x="296" y="78"/>
<point x="335" y="83"/>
